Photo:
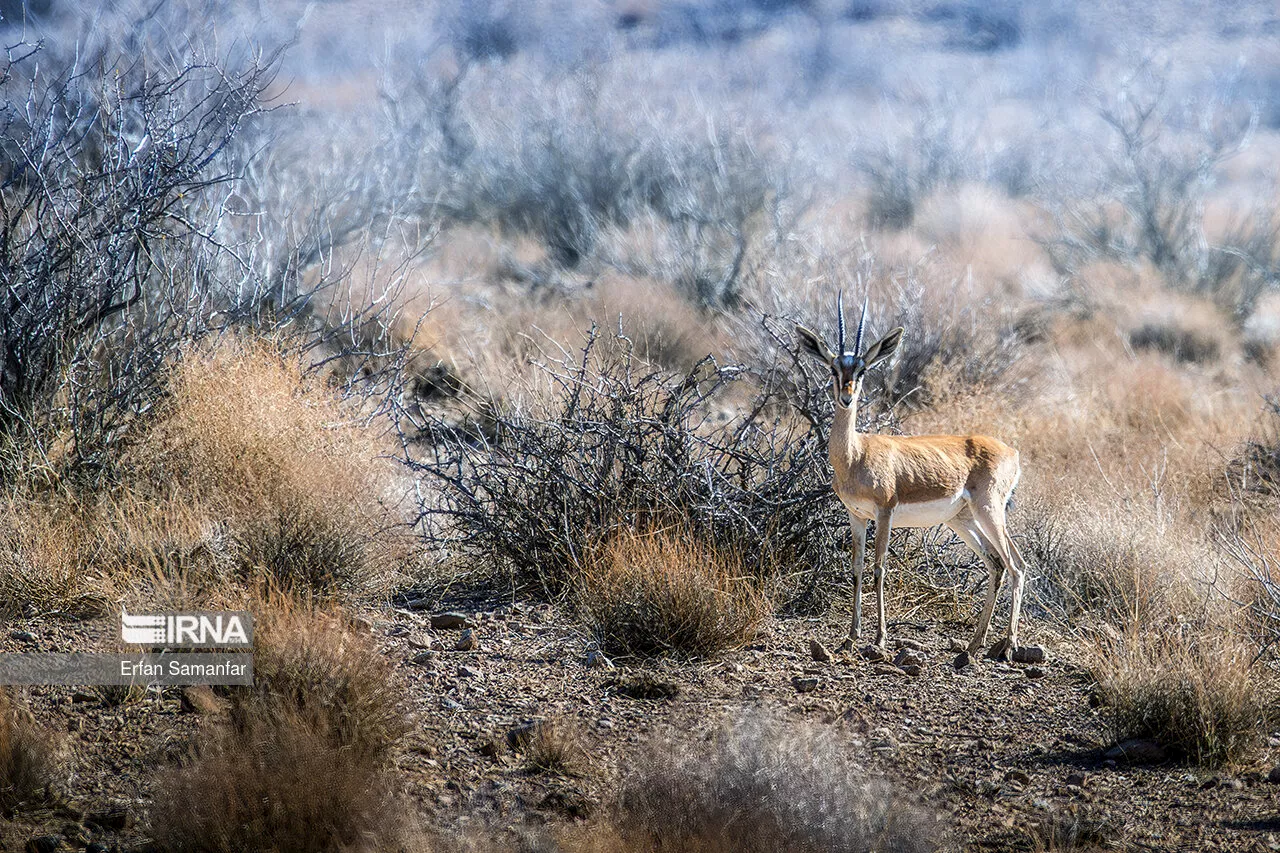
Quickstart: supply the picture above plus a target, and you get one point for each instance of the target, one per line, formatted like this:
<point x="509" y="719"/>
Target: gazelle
<point x="962" y="481"/>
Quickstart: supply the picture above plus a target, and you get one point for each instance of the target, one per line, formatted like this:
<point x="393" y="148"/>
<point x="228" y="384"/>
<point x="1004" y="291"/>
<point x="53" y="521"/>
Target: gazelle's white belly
<point x="922" y="514"/>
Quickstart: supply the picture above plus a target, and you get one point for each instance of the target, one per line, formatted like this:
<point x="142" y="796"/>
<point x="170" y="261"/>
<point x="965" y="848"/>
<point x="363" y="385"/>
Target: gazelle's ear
<point x="815" y="345"/>
<point x="883" y="349"/>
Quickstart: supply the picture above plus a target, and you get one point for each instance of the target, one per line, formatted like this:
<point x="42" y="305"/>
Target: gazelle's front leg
<point x="884" y="523"/>
<point x="858" y="551"/>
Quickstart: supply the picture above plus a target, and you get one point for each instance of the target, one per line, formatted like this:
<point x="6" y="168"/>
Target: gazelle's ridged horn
<point x="840" y="318"/>
<point x="862" y="322"/>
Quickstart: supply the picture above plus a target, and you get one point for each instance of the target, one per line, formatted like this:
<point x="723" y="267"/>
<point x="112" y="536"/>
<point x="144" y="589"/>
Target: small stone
<point x="423" y="659"/>
<point x="909" y="657"/>
<point x="114" y="818"/>
<point x="875" y="654"/>
<point x="491" y="748"/>
<point x="419" y="641"/>
<point x="819" y="652"/>
<point x="1274" y="776"/>
<point x="905" y="643"/>
<point x="963" y="660"/>
<point x="75" y="835"/>
<point x="467" y="642"/>
<point x="450" y="704"/>
<point x="1035" y="672"/>
<point x="1018" y="777"/>
<point x="46" y="844"/>
<point x="467" y="672"/>
<point x="520" y="736"/>
<point x="450" y="621"/>
<point x="954" y="645"/>
<point x="911" y="669"/>
<point x="886" y="669"/>
<point x="805" y="683"/>
<point x="1077" y="780"/>
<point x="397" y="630"/>
<point x="1136" y="751"/>
<point x="597" y="660"/>
<point x="1029" y="654"/>
<point x="23" y="636"/>
<point x="200" y="699"/>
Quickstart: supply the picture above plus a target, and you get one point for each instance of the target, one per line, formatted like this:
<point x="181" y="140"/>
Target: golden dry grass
<point x="661" y="592"/>
<point x="29" y="758"/>
<point x="1196" y="695"/>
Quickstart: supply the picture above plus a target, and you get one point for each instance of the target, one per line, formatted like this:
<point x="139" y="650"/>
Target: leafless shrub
<point x="947" y="348"/>
<point x="108" y="163"/>
<point x="1183" y="344"/>
<point x="903" y="171"/>
<point x="762" y="785"/>
<point x="656" y="593"/>
<point x="621" y="446"/>
<point x="28" y="759"/>
<point x="1256" y="468"/>
<point x="1160" y="172"/>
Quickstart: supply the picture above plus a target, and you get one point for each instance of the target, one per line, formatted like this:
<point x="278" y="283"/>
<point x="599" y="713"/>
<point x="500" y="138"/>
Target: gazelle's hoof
<point x="846" y="646"/>
<point x="1001" y="651"/>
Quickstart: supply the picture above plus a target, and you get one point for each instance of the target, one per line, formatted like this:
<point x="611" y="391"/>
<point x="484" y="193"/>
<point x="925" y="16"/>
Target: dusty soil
<point x="1006" y="758"/>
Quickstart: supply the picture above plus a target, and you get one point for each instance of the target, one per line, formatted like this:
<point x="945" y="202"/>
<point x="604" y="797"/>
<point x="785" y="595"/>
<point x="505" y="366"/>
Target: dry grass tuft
<point x="657" y="593"/>
<point x="1091" y="564"/>
<point x="274" y="783"/>
<point x="255" y="444"/>
<point x="1196" y="696"/>
<point x="302" y="762"/>
<point x="760" y="786"/>
<point x="28" y="758"/>
<point x="554" y="748"/>
<point x="309" y="664"/>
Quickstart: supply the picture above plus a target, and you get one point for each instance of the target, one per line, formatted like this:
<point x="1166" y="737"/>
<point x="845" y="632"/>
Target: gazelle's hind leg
<point x="991" y="524"/>
<point x="972" y="535"/>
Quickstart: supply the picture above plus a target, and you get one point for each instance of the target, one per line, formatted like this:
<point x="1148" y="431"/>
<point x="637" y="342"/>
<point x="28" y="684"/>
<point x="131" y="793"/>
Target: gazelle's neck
<point x="845" y="442"/>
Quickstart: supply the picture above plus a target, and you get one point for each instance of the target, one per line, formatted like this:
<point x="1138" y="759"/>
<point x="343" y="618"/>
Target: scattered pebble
<point x="1018" y="777"/>
<point x="1077" y="779"/>
<point x="465" y="671"/>
<point x="450" y="621"/>
<point x="423" y="658"/>
<point x="963" y="660"/>
<point x="805" y="683"/>
<point x="1136" y="751"/>
<point x="1274" y="776"/>
<point x="819" y="652"/>
<point x="1029" y="654"/>
<point x="23" y="636"/>
<point x="909" y="657"/>
<point x="1035" y="672"/>
<point x="467" y="642"/>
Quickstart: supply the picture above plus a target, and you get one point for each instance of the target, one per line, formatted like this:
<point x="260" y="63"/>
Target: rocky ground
<point x="1013" y="756"/>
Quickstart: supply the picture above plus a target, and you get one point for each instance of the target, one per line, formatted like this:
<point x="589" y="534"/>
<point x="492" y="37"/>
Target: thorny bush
<point x="622" y="446"/>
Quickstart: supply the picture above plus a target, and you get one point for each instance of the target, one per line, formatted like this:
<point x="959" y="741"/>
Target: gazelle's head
<point x="848" y="367"/>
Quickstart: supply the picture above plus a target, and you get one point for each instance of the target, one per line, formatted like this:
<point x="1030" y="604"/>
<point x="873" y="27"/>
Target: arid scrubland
<point x="339" y="311"/>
